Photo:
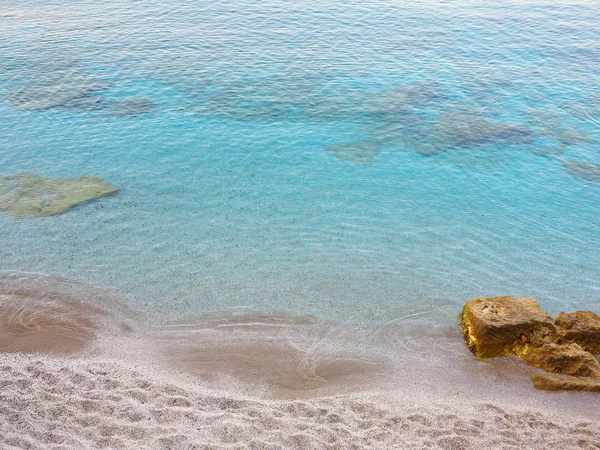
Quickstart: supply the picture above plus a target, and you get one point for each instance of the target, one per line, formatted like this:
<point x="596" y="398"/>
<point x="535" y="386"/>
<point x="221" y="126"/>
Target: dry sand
<point x="57" y="403"/>
<point x="80" y="370"/>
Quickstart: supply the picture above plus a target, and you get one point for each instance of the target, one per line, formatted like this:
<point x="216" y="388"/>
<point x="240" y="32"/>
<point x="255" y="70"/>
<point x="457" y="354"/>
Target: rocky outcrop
<point x="582" y="327"/>
<point x="568" y="359"/>
<point x="555" y="383"/>
<point x="492" y="326"/>
<point x="517" y="326"/>
<point x="29" y="195"/>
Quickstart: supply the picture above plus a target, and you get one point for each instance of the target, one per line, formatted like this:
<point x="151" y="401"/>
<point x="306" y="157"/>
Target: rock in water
<point x="582" y="327"/>
<point x="500" y="326"/>
<point x="555" y="383"/>
<point x="360" y="152"/>
<point x="132" y="106"/>
<point x="575" y="136"/>
<point x="492" y="326"/>
<point x="583" y="170"/>
<point x="59" y="89"/>
<point x="468" y="130"/>
<point x="568" y="359"/>
<point x="548" y="150"/>
<point x="29" y="195"/>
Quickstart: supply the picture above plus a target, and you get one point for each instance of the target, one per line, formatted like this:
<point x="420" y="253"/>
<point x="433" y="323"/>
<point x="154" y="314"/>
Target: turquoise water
<point x="353" y="160"/>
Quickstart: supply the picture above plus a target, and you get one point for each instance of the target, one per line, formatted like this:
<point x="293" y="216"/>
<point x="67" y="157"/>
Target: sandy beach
<point x="79" y="370"/>
<point x="78" y="404"/>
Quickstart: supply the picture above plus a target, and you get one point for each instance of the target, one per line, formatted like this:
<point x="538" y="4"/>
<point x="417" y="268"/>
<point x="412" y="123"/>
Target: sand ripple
<point x="53" y="404"/>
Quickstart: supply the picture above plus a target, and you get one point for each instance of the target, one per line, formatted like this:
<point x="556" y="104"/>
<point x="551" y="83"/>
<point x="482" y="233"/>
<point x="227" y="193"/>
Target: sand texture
<point x="59" y="404"/>
<point x="79" y="369"/>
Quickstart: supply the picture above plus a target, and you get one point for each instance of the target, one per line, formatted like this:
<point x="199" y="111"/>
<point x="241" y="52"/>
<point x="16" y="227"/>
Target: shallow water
<point x="264" y="355"/>
<point x="355" y="161"/>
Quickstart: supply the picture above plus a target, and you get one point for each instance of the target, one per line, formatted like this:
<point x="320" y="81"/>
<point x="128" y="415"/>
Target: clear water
<point x="353" y="160"/>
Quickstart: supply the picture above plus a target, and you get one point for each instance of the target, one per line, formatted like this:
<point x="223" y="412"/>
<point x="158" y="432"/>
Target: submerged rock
<point x="586" y="108"/>
<point x="29" y="195"/>
<point x="492" y="326"/>
<point x="582" y="327"/>
<point x="548" y="150"/>
<point x="425" y="149"/>
<point x="360" y="152"/>
<point x="471" y="130"/>
<point x="132" y="106"/>
<point x="583" y="170"/>
<point x="390" y="103"/>
<point x="556" y="383"/>
<point x="457" y="130"/>
<point x="60" y="89"/>
<point x="293" y="98"/>
<point x="556" y="126"/>
<point x="575" y="136"/>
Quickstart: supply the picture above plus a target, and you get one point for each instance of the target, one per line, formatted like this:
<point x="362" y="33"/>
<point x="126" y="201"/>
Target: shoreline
<point x="258" y="380"/>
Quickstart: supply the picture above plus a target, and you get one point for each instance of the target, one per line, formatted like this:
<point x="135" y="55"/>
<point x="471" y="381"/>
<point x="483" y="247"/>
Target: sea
<point x="372" y="161"/>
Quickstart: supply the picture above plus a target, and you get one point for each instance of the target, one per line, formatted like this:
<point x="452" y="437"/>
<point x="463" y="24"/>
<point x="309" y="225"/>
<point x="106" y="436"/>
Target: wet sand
<point x="80" y="369"/>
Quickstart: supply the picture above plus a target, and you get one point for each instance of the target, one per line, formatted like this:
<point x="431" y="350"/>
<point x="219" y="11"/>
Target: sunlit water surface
<point x="359" y="161"/>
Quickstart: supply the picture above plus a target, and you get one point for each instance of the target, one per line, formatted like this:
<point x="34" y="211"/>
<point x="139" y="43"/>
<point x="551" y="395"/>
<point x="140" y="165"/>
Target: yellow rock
<point x="555" y="383"/>
<point x="492" y="326"/>
<point x="501" y="326"/>
<point x="582" y="327"/>
<point x="568" y="359"/>
<point x="29" y="195"/>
